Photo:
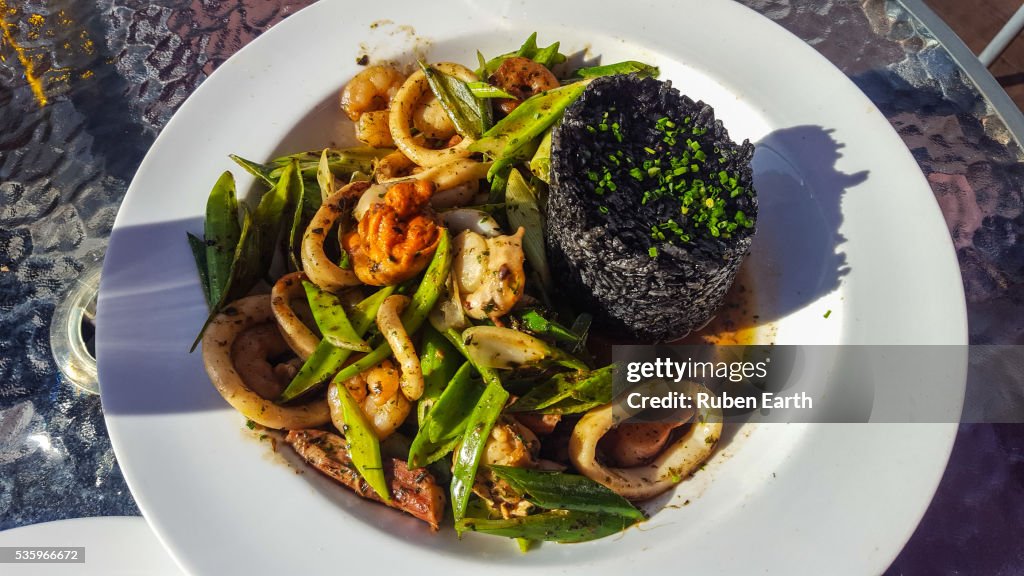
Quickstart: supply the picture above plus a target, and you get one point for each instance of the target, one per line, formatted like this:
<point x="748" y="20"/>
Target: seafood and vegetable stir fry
<point x="391" y="309"/>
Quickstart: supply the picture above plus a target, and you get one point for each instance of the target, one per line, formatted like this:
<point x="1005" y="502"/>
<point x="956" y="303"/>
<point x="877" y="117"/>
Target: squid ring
<point x="447" y="175"/>
<point x="455" y="182"/>
<point x="676" y="462"/>
<point x="317" y="265"/>
<point x="299" y="337"/>
<point x="390" y="325"/>
<point x="217" y="344"/>
<point x="405" y="102"/>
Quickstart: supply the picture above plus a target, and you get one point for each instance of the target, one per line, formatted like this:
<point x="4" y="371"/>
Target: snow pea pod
<point x="221" y="231"/>
<point x="565" y="526"/>
<point x="563" y="389"/>
<point x="478" y="430"/>
<point x="363" y="445"/>
<point x="327" y="358"/>
<point x="627" y="67"/>
<point x="561" y="491"/>
<point x="330" y="317"/>
<point x="439" y="361"/>
<point x="528" y="121"/>
<point x="444" y="425"/>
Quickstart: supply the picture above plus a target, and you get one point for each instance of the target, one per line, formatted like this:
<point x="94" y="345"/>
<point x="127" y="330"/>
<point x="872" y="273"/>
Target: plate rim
<point x="307" y="14"/>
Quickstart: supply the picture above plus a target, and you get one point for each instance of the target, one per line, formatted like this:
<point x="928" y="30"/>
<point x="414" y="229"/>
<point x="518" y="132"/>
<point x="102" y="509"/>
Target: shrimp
<point x="510" y="444"/>
<point x="432" y="121"/>
<point x="373" y="130"/>
<point x="489" y="273"/>
<point x="377" y="393"/>
<point x="396" y="238"/>
<point x="522" y="78"/>
<point x="371" y="90"/>
<point x="218" y="346"/>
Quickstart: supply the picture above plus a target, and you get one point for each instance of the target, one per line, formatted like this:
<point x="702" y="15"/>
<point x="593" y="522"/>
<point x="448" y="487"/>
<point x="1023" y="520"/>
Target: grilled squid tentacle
<point x="390" y="325"/>
<point x="317" y="265"/>
<point x="299" y="337"/>
<point x="405" y="104"/>
<point x="676" y="462"/>
<point x="218" y="343"/>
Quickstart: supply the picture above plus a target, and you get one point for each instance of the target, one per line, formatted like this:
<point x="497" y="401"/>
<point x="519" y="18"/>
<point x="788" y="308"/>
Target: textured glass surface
<point x="86" y="86"/>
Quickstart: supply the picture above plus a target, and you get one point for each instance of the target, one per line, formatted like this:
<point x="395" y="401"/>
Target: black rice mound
<point x="651" y="208"/>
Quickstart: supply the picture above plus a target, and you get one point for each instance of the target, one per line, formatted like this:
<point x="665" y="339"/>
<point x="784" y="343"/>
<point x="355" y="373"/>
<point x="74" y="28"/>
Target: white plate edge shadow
<point x="305" y="19"/>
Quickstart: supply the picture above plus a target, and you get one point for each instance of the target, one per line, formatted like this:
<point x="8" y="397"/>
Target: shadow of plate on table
<point x="150" y="312"/>
<point x="796" y="257"/>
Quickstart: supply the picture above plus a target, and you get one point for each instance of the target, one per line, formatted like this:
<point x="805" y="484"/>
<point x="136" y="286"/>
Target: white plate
<point x="853" y="229"/>
<point x="114" y="545"/>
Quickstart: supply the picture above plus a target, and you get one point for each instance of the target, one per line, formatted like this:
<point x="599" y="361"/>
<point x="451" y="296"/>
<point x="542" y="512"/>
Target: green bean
<point x="540" y="163"/>
<point x="342" y="162"/>
<point x="415" y="313"/>
<point x="326" y="358"/>
<point x="330" y="317"/>
<point x="489" y="375"/>
<point x="261" y="171"/>
<point x="424" y="452"/>
<point x="363" y="445"/>
<point x="222" y="232"/>
<point x="478" y="430"/>
<point x="548" y="56"/>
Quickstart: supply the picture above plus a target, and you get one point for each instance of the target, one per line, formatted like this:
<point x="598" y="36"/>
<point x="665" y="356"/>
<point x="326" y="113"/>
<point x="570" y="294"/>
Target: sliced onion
<point x="477" y="221"/>
<point x="503" y="348"/>
<point x="373" y="195"/>
<point x="448" y="313"/>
